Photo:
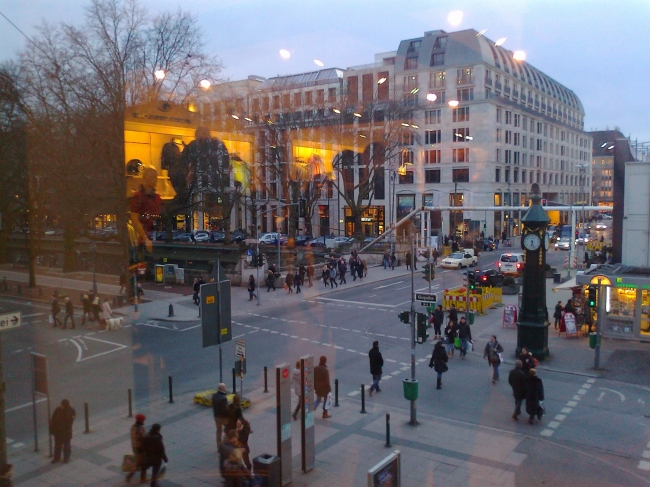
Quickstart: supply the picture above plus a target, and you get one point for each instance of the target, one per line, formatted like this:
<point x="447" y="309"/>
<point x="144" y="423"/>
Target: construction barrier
<point x="478" y="303"/>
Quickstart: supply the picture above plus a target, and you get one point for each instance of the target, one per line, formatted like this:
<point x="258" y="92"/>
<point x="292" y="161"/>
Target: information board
<point x="308" y="437"/>
<point x="386" y="473"/>
<point x="216" y="322"/>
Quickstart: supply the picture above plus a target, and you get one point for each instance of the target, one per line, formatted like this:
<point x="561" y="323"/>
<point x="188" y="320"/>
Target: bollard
<point x="266" y="379"/>
<point x="387" y="445"/>
<point x="234" y="381"/>
<point x="86" y="414"/>
<point x="336" y="393"/>
<point x="130" y="394"/>
<point x="363" y="399"/>
<point x="171" y="310"/>
<point x="171" y="391"/>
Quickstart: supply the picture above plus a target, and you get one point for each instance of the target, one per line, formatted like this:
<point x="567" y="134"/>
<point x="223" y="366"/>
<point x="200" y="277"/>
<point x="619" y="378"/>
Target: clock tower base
<point x="533" y="336"/>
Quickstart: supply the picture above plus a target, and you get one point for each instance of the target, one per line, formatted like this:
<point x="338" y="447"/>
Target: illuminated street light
<point x="356" y="114"/>
<point x="519" y="56"/>
<point x="205" y="84"/>
<point x="362" y="136"/>
<point x="248" y="119"/>
<point x="481" y="33"/>
<point x="234" y="116"/>
<point x="432" y="97"/>
<point x="381" y="81"/>
<point x="415" y="126"/>
<point x="284" y="54"/>
<point x="414" y="91"/>
<point x="453" y="103"/>
<point x="405" y="124"/>
<point x="603" y="145"/>
<point x="455" y="17"/>
<point x="500" y="41"/>
<point x="336" y="110"/>
<point x="159" y="74"/>
<point x="318" y="62"/>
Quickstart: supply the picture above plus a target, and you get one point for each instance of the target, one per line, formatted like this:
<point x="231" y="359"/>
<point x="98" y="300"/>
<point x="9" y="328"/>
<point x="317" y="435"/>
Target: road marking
<point x="391" y="360"/>
<point x="34" y="314"/>
<point x="356" y="331"/>
<point x="582" y="392"/>
<point x="397" y="372"/>
<point x="353" y="351"/>
<point x="560" y="417"/>
<point x="547" y="432"/>
<point x="386" y="377"/>
<point x="18" y="445"/>
<point x="591" y="381"/>
<point x="403" y="287"/>
<point x="577" y="398"/>
<point x="643" y="465"/>
<point x="405" y="368"/>
<point x="391" y="336"/>
<point x="315" y="341"/>
<point x="372" y="295"/>
<point x="354" y="393"/>
<point x="586" y="386"/>
<point x="339" y="348"/>
<point x="389" y="285"/>
<point x="345" y="329"/>
<point x="305" y="339"/>
<point x="23" y="406"/>
<point x="380" y="335"/>
<point x="621" y="396"/>
<point x="334" y="327"/>
<point x="566" y="410"/>
<point x="17" y="351"/>
<point x="403" y="363"/>
<point x="294" y="336"/>
<point x="359" y="302"/>
<point x="553" y="424"/>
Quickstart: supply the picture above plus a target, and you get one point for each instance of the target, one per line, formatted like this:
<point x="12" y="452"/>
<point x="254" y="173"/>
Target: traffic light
<point x="302" y="208"/>
<point x="592" y="296"/>
<point x="259" y="260"/>
<point x="544" y="202"/>
<point x="471" y="280"/>
<point x="421" y="319"/>
<point x="429" y="272"/>
<point x="404" y="316"/>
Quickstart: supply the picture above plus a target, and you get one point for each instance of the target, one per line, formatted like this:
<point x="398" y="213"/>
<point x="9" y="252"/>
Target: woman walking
<point x="534" y="396"/>
<point x="438" y="361"/>
<point x="451" y="332"/>
<point x="493" y="352"/>
<point x="154" y="452"/>
<point x="288" y="282"/>
<point x="251" y="287"/>
<point x="438" y="319"/>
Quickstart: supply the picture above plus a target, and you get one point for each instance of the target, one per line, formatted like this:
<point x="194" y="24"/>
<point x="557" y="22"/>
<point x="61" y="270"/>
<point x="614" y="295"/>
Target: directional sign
<point x="10" y="320"/>
<point x="426" y="299"/>
<point x="240" y="349"/>
<point x="249" y="252"/>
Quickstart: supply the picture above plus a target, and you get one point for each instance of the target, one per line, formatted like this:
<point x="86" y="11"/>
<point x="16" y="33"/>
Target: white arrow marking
<point x="621" y="396"/>
<point x="600" y="398"/>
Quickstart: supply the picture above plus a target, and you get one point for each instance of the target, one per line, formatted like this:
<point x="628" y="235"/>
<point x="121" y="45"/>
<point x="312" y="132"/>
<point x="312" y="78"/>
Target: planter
<point x="510" y="290"/>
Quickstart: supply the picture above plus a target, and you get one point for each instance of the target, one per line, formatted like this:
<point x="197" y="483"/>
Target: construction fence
<point x="488" y="298"/>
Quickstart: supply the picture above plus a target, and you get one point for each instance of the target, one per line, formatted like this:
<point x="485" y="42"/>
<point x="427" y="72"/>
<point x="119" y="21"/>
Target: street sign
<point x="216" y="321"/>
<point x="10" y="320"/>
<point x="240" y="349"/>
<point x="426" y="299"/>
<point x="249" y="252"/>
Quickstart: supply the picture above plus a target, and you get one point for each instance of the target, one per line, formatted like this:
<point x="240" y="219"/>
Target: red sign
<point x="285" y="373"/>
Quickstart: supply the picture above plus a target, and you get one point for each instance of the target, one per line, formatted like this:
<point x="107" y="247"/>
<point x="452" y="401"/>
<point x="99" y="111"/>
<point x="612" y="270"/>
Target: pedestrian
<point x="243" y="432"/>
<point x="85" y="303"/>
<point x="310" y="275"/>
<point x="353" y="267"/>
<point x="69" y="313"/>
<point x="154" y="452"/>
<point x="297" y="387"/>
<point x="326" y="275"/>
<point x="534" y="396"/>
<point x="568" y="307"/>
<point x="333" y="276"/>
<point x="451" y="332"/>
<point x="196" y="289"/>
<point x="453" y="314"/>
<point x="364" y="266"/>
<point x="376" y="364"/>
<point x="465" y="335"/>
<point x="386" y="259"/>
<point x="234" y="413"/>
<point x="61" y="429"/>
<point x="297" y="280"/>
<point x="493" y="352"/>
<point x="438" y="319"/>
<point x="251" y="287"/>
<point x="517" y="380"/>
<point x="137" y="444"/>
<point x="414" y="262"/>
<point x="322" y="385"/>
<point x="288" y="282"/>
<point x="558" y="314"/>
<point x="343" y="268"/>
<point x="409" y="262"/>
<point x="393" y="260"/>
<point x="220" y="410"/>
<point x="96" y="308"/>
<point x="228" y="445"/>
<point x="434" y="256"/>
<point x="527" y="360"/>
<point x="55" y="309"/>
<point x="270" y="281"/>
<point x="302" y="272"/>
<point x="438" y="361"/>
<point x="234" y="472"/>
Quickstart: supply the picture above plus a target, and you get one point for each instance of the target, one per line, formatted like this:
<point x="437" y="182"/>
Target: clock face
<point x="532" y="241"/>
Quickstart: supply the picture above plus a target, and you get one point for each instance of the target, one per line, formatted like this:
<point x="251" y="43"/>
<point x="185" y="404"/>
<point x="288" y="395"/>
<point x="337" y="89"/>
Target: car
<point x="582" y="239"/>
<point x="564" y="243"/>
<point x="317" y="243"/>
<point x="269" y="238"/>
<point x="201" y="236"/>
<point x="237" y="236"/>
<point x="301" y="240"/>
<point x="511" y="263"/>
<point x="183" y="237"/>
<point x="489" y="277"/>
<point x="343" y="240"/>
<point x="601" y="226"/>
<point x="458" y="260"/>
<point x="217" y="237"/>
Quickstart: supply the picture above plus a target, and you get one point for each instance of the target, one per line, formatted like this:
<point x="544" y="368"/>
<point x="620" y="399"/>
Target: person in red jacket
<point x="322" y="385"/>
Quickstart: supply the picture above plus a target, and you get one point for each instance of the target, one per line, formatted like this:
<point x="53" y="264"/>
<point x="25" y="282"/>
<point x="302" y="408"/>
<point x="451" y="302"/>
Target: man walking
<point x="465" y="335"/>
<point x="333" y="275"/>
<point x="56" y="309"/>
<point x="376" y="364"/>
<point x="492" y="353"/>
<point x="310" y="275"/>
<point x="517" y="380"/>
<point x="322" y="385"/>
<point x="409" y="262"/>
<point x="220" y="410"/>
<point x="343" y="268"/>
<point x="61" y="429"/>
<point x="196" y="288"/>
<point x="69" y="313"/>
<point x="85" y="302"/>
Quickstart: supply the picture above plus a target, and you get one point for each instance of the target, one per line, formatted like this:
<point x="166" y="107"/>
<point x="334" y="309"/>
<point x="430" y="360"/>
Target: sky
<point x="598" y="49"/>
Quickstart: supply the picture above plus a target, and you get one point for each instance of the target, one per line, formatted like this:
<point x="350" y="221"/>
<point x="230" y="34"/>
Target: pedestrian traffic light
<point x="421" y="319"/>
<point x="471" y="280"/>
<point x="404" y="316"/>
<point x="302" y="208"/>
<point x="592" y="296"/>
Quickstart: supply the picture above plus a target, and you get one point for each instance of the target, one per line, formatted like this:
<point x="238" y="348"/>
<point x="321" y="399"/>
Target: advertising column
<point x="307" y="436"/>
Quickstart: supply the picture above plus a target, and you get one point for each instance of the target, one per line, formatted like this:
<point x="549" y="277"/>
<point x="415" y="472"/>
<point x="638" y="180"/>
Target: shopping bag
<point x="163" y="471"/>
<point x="328" y="401"/>
<point x="540" y="410"/>
<point x="129" y="464"/>
<point x="457" y="343"/>
<point x="51" y="320"/>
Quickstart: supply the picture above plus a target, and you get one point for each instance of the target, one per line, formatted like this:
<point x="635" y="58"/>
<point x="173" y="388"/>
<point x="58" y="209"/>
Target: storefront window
<point x="620" y="307"/>
<point x="645" y="313"/>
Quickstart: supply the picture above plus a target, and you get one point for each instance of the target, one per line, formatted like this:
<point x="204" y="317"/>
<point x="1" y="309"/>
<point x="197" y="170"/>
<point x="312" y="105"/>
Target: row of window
<point x="540" y="178"/>
<point x="517" y="158"/>
<point x="460" y="134"/>
<point x="458" y="175"/>
<point x="540" y="127"/>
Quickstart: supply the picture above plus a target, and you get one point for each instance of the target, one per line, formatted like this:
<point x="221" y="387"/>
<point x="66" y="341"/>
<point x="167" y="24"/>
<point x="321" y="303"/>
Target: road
<point x="600" y="422"/>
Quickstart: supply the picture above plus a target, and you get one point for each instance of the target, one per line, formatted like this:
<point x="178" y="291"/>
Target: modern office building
<point x="448" y="119"/>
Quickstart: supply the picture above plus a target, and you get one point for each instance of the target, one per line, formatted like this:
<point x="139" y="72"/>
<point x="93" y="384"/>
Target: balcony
<point x="506" y="90"/>
<point x="515" y="93"/>
<point x="488" y="81"/>
<point x="497" y="86"/>
<point x="465" y="80"/>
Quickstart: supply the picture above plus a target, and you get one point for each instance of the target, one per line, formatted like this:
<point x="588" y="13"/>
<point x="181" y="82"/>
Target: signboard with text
<point x="426" y="299"/>
<point x="386" y="473"/>
<point x="9" y="320"/>
<point x="216" y="325"/>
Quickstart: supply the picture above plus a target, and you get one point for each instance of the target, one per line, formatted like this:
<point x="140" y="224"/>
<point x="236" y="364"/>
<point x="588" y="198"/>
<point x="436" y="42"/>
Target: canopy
<point x="566" y="285"/>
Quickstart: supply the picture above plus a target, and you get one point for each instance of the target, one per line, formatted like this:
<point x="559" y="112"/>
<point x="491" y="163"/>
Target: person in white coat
<point x="106" y="309"/>
<point x="296" y="388"/>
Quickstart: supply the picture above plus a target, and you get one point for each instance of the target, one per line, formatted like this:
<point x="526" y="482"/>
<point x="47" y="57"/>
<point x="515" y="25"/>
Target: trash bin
<point x="410" y="389"/>
<point x="267" y="469"/>
<point x="592" y="339"/>
<point x="557" y="278"/>
<point x="471" y="318"/>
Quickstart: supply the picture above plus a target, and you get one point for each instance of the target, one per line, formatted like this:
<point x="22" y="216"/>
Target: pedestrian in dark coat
<point x="517" y="380"/>
<point x="302" y="272"/>
<point x="288" y="282"/>
<point x="322" y="385"/>
<point x="55" y="309"/>
<point x="69" y="313"/>
<point x="228" y="445"/>
<point x="438" y="361"/>
<point x="438" y="320"/>
<point x="353" y="267"/>
<point x="85" y="302"/>
<point x="527" y="361"/>
<point x="343" y="269"/>
<point x="451" y="332"/>
<point x="376" y="364"/>
<point x="235" y="413"/>
<point x="534" y="396"/>
<point x="332" y="270"/>
<point x="326" y="275"/>
<point x="492" y="353"/>
<point x="297" y="281"/>
<point x="270" y="281"/>
<point x="409" y="262"/>
<point x="310" y="275"/>
<point x="61" y="429"/>
<point x="465" y="335"/>
<point x="558" y="314"/>
<point x="154" y="452"/>
<point x="220" y="410"/>
<point x="243" y="432"/>
<point x="137" y="440"/>
<point x="196" y="287"/>
<point x="251" y="287"/>
<point x="393" y="260"/>
<point x="453" y="314"/>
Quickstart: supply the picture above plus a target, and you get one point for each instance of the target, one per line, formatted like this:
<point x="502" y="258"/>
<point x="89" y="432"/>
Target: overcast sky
<point x="599" y="49"/>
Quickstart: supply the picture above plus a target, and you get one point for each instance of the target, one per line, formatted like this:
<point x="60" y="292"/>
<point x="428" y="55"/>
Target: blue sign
<point x="249" y="253"/>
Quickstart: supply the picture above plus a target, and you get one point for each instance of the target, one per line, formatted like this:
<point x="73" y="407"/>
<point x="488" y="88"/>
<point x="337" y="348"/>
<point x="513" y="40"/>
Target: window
<point x="507" y="178"/>
<point x="411" y="61"/>
<point x="508" y="117"/>
<point x="517" y="120"/>
<point x="460" y="155"/>
<point x="440" y="98"/>
<point x="441" y="43"/>
<point x="331" y="95"/>
<point x="461" y="114"/>
<point x="308" y="98"/>
<point x="406" y="178"/>
<point x="432" y="117"/>
<point x="498" y="135"/>
<point x="539" y="127"/>
<point x="498" y="155"/>
<point x="508" y="136"/>
<point x="406" y="157"/>
<point x="432" y="156"/>
<point x="465" y="94"/>
<point x="407" y="138"/>
<point x="383" y="89"/>
<point x="524" y="160"/>
<point x="465" y="76"/>
<point x="297" y="99"/>
<point x="460" y="175"/>
<point x="498" y="115"/>
<point x="516" y="158"/>
<point x="515" y="140"/>
<point x="437" y="59"/>
<point x="353" y="90"/>
<point x="432" y="176"/>
<point x="265" y="103"/>
<point x="432" y="136"/>
<point x="320" y="97"/>
<point x="460" y="134"/>
<point x="525" y="124"/>
<point x="515" y="176"/>
<point x="437" y="79"/>
<point x="523" y="176"/>
<point x="508" y="156"/>
<point x="539" y="144"/>
<point x="497" y="175"/>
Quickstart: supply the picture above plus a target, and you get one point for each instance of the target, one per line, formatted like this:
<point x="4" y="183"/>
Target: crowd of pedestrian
<point x="92" y="306"/>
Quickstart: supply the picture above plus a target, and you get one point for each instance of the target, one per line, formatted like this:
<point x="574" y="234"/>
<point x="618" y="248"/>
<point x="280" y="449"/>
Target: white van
<point x="511" y="263"/>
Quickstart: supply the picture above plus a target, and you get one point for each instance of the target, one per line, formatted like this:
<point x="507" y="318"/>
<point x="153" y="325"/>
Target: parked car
<point x="237" y="236"/>
<point x="183" y="237"/>
<point x="217" y="237"/>
<point x="511" y="263"/>
<point x="564" y="243"/>
<point x="201" y="236"/>
<point x="317" y="242"/>
<point x="343" y="240"/>
<point x="458" y="260"/>
<point x="301" y="240"/>
<point x="489" y="277"/>
<point x="272" y="238"/>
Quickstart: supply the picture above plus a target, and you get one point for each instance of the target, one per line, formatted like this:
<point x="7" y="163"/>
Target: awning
<point x="566" y="285"/>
